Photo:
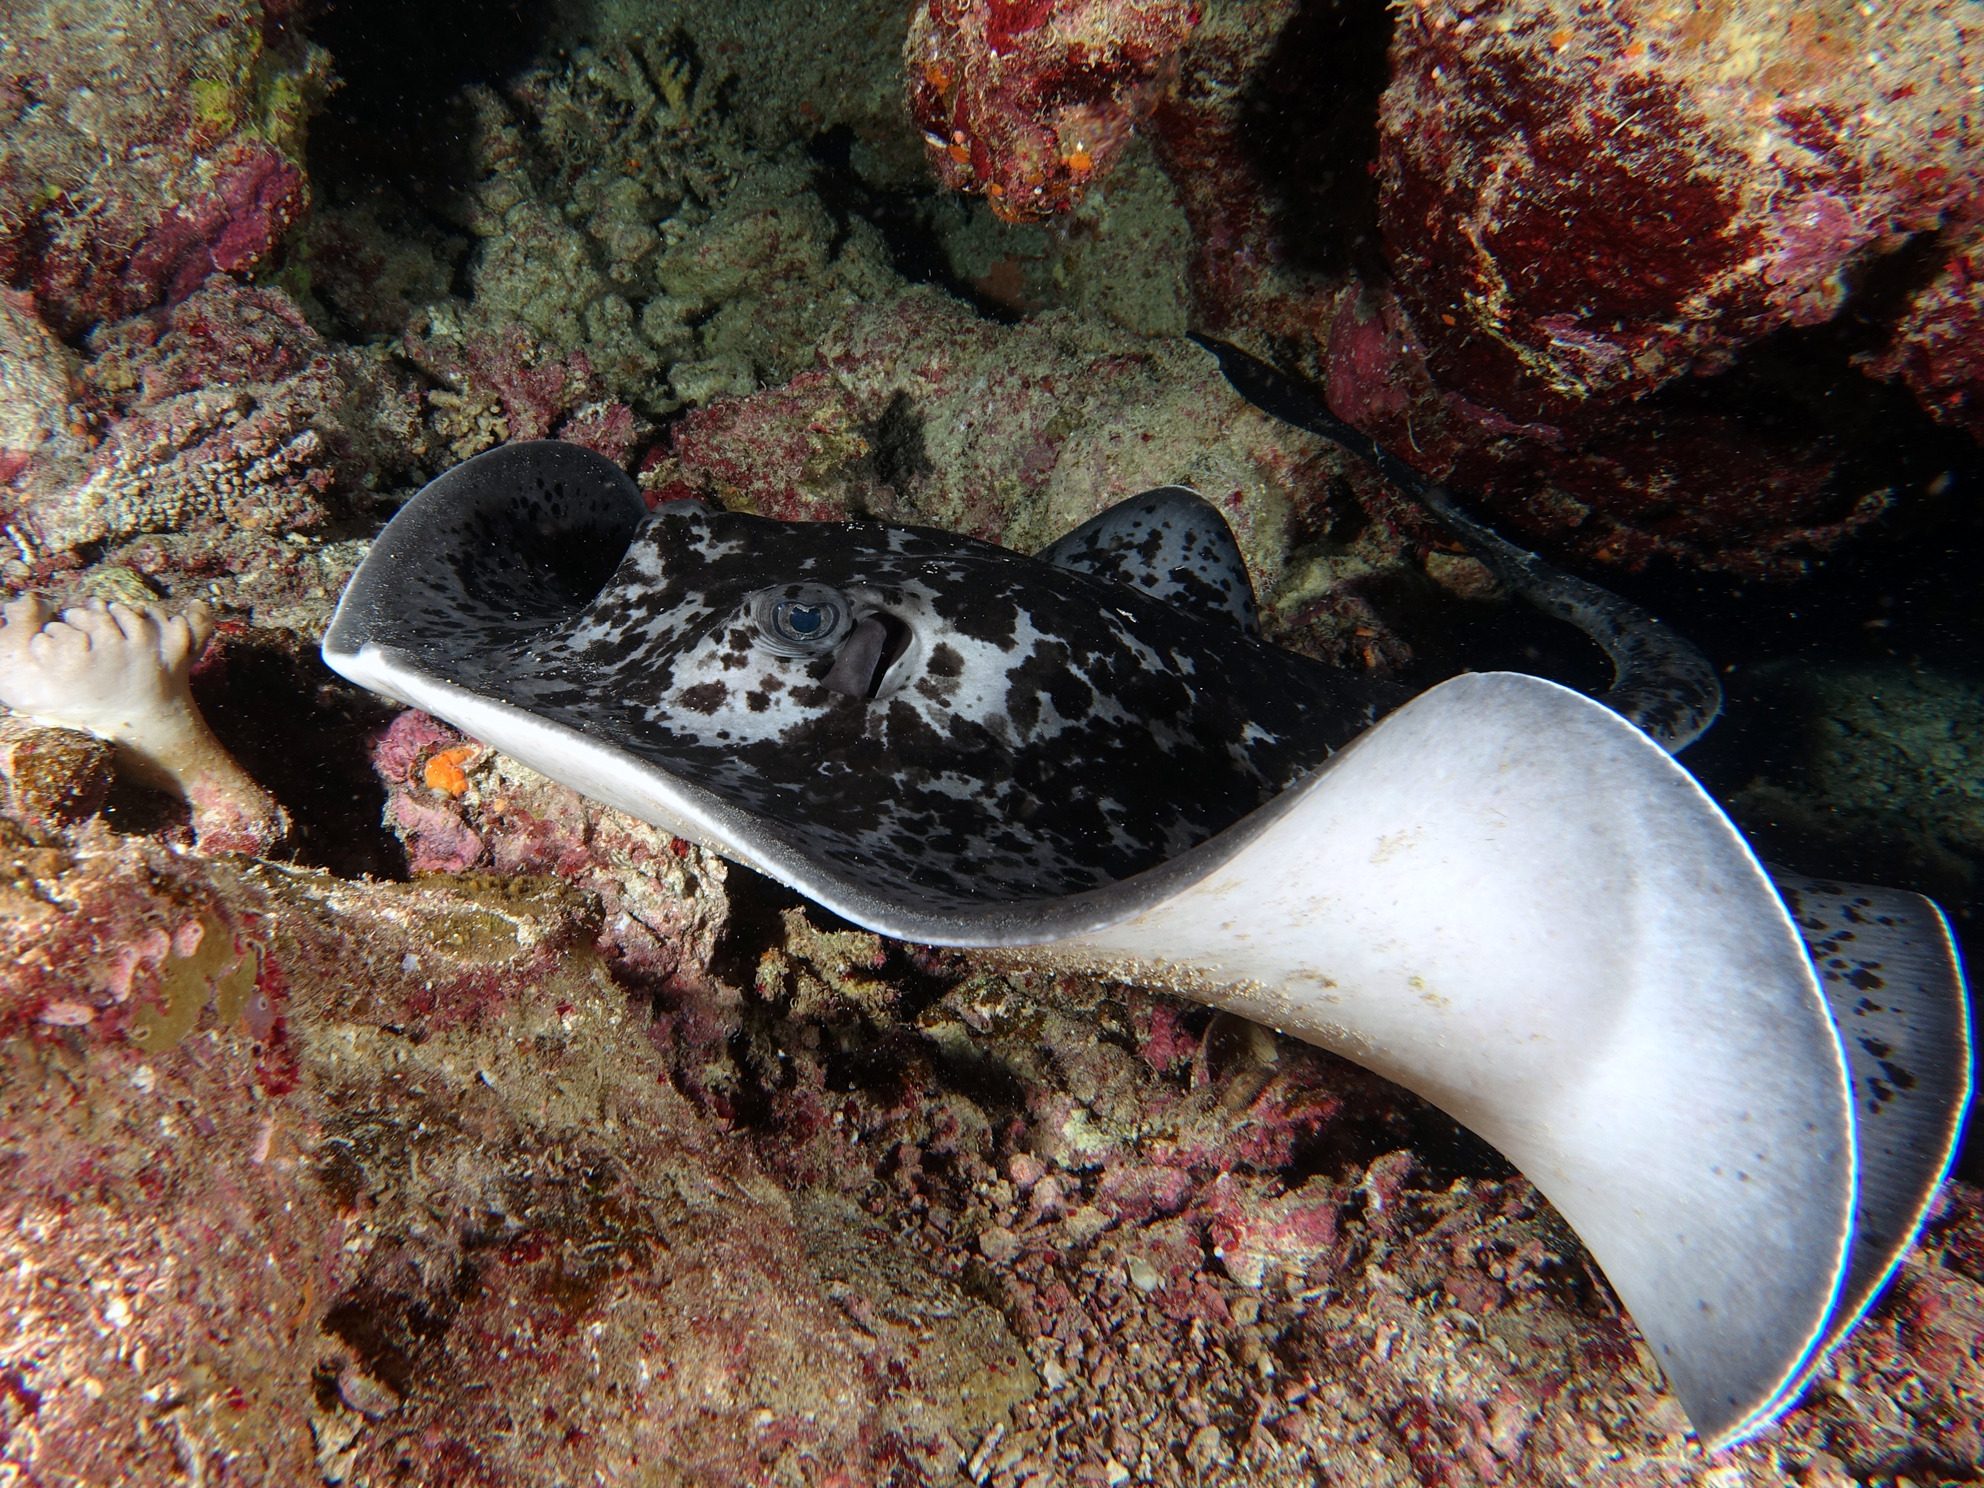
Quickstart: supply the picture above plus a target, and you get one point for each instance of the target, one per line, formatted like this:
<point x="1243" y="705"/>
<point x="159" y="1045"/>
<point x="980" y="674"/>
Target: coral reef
<point x="1119" y="255"/>
<point x="460" y="806"/>
<point x="383" y="1180"/>
<point x="1934" y="347"/>
<point x="1027" y="100"/>
<point x="1535" y="130"/>
<point x="498" y="1138"/>
<point x="917" y="1216"/>
<point x="223" y="417"/>
<point x="922" y="412"/>
<point x="146" y="146"/>
<point x="1582" y="207"/>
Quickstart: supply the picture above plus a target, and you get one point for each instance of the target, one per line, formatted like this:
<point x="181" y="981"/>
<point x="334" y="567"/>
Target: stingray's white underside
<point x="1505" y="898"/>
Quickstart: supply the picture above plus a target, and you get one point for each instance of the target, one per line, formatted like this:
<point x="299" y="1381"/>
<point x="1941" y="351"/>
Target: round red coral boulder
<point x="1583" y="204"/>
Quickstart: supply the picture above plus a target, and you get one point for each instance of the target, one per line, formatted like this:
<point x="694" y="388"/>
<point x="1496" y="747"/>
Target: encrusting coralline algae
<point x="515" y="1142"/>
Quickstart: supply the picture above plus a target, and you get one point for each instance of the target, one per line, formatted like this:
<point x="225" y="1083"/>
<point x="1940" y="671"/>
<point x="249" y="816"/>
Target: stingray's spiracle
<point x="1660" y="681"/>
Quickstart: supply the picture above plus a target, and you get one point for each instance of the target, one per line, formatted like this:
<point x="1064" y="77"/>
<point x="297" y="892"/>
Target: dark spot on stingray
<point x="1029" y="682"/>
<point x="1877" y="1047"/>
<point x="1864" y="980"/>
<point x="1900" y="1078"/>
<point x="757" y="702"/>
<point x="944" y="662"/>
<point x="705" y="697"/>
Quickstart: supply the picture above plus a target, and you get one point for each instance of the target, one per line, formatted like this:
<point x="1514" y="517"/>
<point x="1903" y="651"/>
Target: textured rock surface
<point x="1027" y="101"/>
<point x="1558" y="270"/>
<point x="922" y="412"/>
<point x="145" y="146"/>
<point x="1937" y="347"/>
<point x="1582" y="207"/>
<point x="311" y="1178"/>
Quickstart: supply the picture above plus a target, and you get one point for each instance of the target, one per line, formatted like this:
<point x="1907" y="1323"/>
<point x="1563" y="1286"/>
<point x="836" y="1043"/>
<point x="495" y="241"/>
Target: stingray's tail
<point x="1660" y="681"/>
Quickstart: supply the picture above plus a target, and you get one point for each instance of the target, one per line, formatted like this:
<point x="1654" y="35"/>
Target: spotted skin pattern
<point x="1044" y="731"/>
<point x="1170" y="543"/>
<point x="1887" y="966"/>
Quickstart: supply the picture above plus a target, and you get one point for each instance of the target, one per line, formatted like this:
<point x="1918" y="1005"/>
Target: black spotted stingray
<point x="1502" y="894"/>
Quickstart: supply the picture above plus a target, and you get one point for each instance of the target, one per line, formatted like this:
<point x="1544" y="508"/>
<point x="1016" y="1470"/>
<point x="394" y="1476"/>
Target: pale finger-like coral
<point x="125" y="675"/>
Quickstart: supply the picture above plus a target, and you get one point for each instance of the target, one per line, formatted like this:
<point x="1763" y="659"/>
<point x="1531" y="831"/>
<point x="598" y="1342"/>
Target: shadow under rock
<point x="306" y="736"/>
<point x="1309" y="129"/>
<point x="401" y="68"/>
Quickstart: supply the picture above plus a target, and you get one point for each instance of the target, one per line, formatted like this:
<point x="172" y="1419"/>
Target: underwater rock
<point x="226" y="415"/>
<point x="1580" y="207"/>
<point x="1880" y="761"/>
<point x="1268" y="134"/>
<point x="382" y="1174"/>
<point x="1029" y="101"/>
<point x="170" y="148"/>
<point x="1936" y="348"/>
<point x="630" y="251"/>
<point x="920" y="411"/>
<point x="1197" y="1227"/>
<point x="38" y="389"/>
<point x="458" y="805"/>
<point x="56" y="777"/>
<point x="1503" y="121"/>
<point x="1707" y="485"/>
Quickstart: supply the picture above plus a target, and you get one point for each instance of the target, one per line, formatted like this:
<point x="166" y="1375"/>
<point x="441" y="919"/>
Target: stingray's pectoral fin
<point x="1511" y="901"/>
<point x="1171" y="543"/>
<point x="508" y="544"/>
<point x="1888" y="966"/>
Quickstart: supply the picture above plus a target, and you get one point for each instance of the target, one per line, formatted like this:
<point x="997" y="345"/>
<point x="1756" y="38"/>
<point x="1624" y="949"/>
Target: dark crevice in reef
<point x="1377" y="1118"/>
<point x="393" y="121"/>
<point x="901" y="215"/>
<point x="753" y="925"/>
<point x="1310" y="132"/>
<point x="305" y="735"/>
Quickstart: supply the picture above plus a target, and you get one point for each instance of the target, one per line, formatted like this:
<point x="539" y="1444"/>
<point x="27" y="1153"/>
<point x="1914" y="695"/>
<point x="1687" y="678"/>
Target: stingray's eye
<point x="802" y="623"/>
<point x="801" y="619"/>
